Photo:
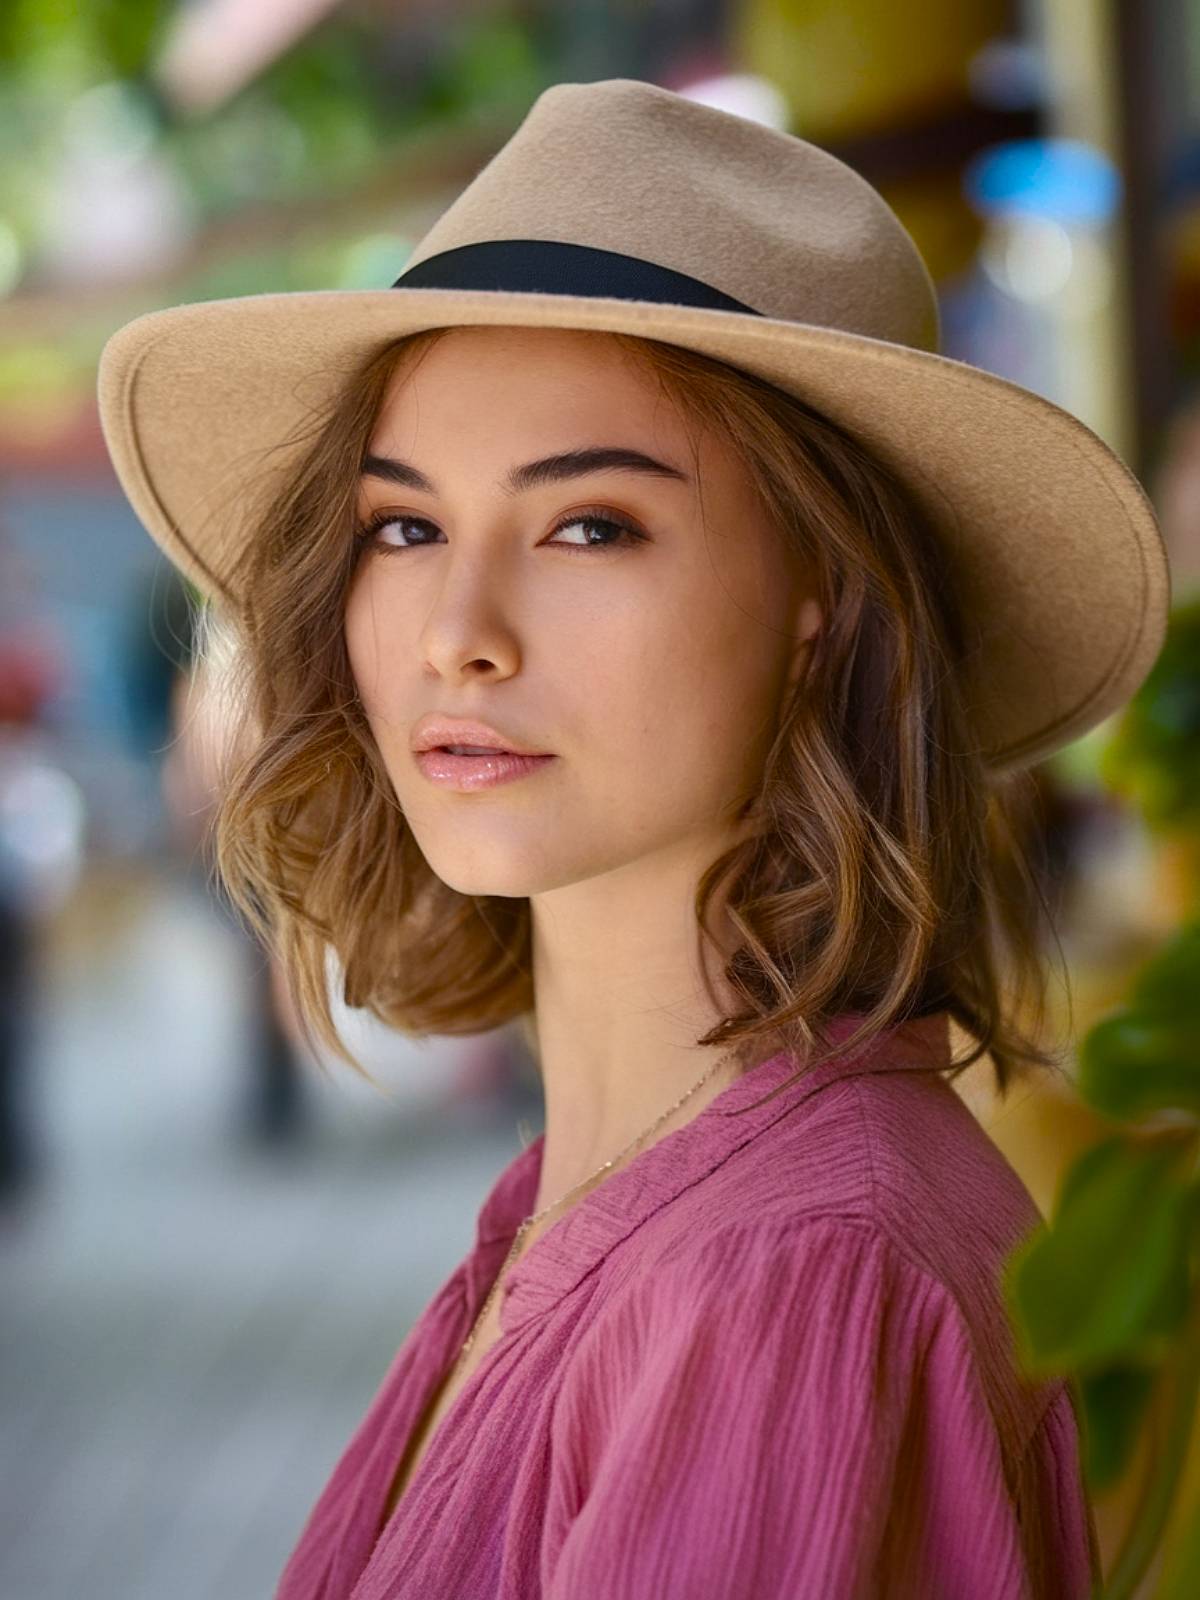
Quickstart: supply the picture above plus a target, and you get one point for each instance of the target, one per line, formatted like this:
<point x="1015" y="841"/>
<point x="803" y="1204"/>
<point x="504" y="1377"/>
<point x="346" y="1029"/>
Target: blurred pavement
<point x="191" y="1326"/>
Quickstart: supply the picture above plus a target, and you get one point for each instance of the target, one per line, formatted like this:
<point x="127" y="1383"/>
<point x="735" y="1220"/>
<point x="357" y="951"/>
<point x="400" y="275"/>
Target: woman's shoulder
<point x="898" y="1155"/>
<point x="848" y="1290"/>
<point x="882" y="1195"/>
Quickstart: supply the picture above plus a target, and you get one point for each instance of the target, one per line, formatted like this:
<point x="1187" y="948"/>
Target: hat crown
<point x="761" y="215"/>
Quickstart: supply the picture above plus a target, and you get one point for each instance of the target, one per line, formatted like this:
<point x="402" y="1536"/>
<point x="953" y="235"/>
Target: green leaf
<point x="1106" y="1283"/>
<point x="1168" y="986"/>
<point x="1154" y="755"/>
<point x="1114" y="1402"/>
<point x="1181" y="1574"/>
<point x="1137" y="1062"/>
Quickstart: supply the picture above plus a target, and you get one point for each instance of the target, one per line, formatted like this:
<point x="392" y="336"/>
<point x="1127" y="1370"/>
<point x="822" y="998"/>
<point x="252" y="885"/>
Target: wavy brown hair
<point x="891" y="874"/>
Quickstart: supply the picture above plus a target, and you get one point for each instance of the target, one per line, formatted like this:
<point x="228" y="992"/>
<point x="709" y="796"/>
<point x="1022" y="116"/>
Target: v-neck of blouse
<point x="561" y="1257"/>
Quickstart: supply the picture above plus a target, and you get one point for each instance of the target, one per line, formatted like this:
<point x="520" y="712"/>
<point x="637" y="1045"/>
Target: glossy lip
<point x="433" y="731"/>
<point x="467" y="773"/>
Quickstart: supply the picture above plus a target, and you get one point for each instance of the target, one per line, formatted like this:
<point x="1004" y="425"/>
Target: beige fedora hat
<point x="621" y="206"/>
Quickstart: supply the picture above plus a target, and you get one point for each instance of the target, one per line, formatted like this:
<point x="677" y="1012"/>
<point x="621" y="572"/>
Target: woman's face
<point x="652" y="668"/>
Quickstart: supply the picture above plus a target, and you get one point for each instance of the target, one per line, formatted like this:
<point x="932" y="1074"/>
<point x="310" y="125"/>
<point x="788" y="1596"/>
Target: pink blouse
<point x="767" y="1360"/>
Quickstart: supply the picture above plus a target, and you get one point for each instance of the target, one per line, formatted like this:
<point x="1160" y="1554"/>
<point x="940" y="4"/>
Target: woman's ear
<point x="806" y="625"/>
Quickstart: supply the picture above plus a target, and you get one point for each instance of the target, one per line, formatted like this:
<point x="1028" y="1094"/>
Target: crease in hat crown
<point x="762" y="215"/>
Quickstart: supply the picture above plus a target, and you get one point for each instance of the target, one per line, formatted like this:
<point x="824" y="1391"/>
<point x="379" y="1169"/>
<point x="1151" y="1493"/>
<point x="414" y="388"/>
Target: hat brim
<point x="1051" y="541"/>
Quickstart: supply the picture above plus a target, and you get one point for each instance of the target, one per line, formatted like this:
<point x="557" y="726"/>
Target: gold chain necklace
<point x="545" y="1211"/>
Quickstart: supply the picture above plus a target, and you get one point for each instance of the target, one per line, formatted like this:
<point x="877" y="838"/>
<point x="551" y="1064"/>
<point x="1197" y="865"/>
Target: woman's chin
<point x="513" y="874"/>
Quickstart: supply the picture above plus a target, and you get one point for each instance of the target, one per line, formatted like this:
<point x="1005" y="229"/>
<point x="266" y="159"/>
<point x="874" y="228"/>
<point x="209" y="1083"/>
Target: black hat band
<point x="548" y="266"/>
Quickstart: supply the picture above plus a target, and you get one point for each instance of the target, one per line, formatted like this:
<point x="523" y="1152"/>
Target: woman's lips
<point x="477" y="772"/>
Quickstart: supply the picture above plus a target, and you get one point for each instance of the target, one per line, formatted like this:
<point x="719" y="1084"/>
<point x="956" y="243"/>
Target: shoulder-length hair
<point x="890" y="875"/>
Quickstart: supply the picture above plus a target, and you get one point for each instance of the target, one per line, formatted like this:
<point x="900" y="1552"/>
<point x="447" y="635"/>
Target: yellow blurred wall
<point x="851" y="67"/>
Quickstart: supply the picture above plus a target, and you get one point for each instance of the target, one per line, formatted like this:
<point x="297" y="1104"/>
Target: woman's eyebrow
<point x="550" y="469"/>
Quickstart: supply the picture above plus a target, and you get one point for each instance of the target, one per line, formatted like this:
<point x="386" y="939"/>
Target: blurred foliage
<point x="1108" y="1291"/>
<point x="320" y="117"/>
<point x="114" y="38"/>
<point x="78" y="89"/>
<point x="1154" y="759"/>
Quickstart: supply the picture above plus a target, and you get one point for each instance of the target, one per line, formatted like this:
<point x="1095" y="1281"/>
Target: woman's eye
<point x="624" y="532"/>
<point x="615" y="532"/>
<point x="373" y="532"/>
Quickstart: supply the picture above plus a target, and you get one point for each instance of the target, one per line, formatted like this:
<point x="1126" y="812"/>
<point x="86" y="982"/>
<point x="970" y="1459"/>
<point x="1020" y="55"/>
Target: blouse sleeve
<point x="1059" y="1525"/>
<point x="790" y="1410"/>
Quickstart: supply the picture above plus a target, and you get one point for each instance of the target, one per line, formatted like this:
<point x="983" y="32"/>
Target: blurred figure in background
<point x="178" y="728"/>
<point x="34" y="871"/>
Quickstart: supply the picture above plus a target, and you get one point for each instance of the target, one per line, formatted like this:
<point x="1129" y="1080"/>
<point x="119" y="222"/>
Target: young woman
<point x="642" y="631"/>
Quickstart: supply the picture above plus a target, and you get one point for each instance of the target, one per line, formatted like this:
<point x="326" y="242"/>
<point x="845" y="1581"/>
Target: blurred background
<point x="210" y="1247"/>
